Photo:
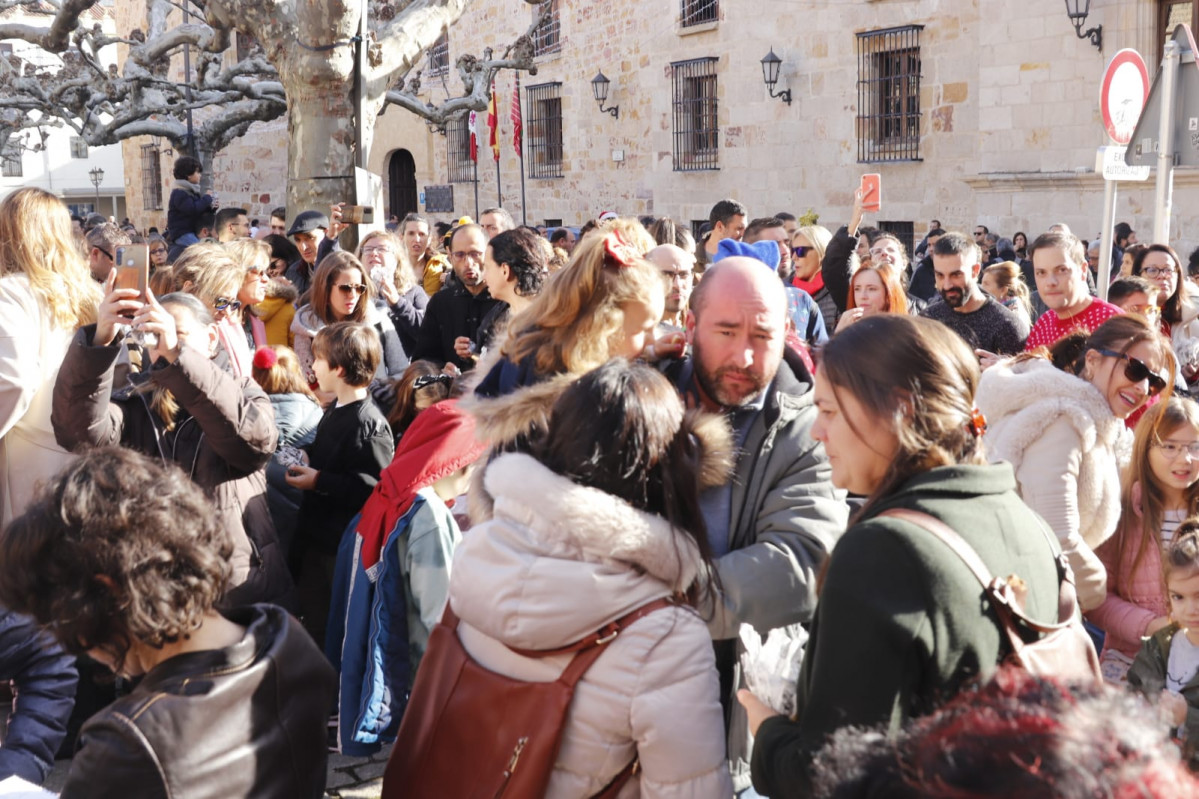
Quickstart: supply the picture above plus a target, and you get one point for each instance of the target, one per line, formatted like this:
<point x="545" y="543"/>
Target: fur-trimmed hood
<point x="558" y="560"/>
<point x="525" y="413"/>
<point x="1022" y="399"/>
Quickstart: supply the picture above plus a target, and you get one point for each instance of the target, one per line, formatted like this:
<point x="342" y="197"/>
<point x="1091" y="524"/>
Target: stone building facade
<point x="987" y="113"/>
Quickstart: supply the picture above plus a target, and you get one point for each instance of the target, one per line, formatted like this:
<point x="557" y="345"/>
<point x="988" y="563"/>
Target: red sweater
<point x="1051" y="327"/>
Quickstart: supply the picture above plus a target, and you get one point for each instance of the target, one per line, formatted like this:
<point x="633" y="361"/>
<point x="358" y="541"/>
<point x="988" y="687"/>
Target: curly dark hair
<point x="1018" y="735"/>
<point x="116" y="548"/>
<point x="521" y="251"/>
<point x="185" y="167"/>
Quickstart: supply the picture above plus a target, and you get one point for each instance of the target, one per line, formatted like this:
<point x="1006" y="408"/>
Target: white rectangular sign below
<point x="1110" y="162"/>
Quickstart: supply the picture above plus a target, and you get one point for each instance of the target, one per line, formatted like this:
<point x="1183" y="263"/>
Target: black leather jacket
<point x="245" y="721"/>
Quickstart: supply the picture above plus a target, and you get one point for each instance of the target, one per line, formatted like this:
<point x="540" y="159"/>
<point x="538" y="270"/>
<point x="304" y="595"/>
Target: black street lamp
<point x="770" y="73"/>
<point x="599" y="87"/>
<point x="1077" y="11"/>
<point x="97" y="176"/>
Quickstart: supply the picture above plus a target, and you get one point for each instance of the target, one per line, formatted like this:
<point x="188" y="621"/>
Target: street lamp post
<point x="97" y="176"/>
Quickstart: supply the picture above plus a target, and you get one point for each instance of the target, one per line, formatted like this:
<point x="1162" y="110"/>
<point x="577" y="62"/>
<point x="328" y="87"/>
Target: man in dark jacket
<point x="308" y="231"/>
<point x="774" y="524"/>
<point x="453" y="315"/>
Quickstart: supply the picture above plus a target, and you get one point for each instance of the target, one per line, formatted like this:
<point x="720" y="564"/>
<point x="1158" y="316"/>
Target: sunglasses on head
<point x="1136" y="370"/>
<point x="356" y="288"/>
<point x="226" y="304"/>
<point x="800" y="252"/>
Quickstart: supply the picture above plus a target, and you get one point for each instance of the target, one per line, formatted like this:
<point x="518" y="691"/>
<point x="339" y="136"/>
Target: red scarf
<point x="440" y="441"/>
<point x="811" y="286"/>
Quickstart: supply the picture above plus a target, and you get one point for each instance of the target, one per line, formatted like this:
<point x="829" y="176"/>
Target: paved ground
<point x="349" y="777"/>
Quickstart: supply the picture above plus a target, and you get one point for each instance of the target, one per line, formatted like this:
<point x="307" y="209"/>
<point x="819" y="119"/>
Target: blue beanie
<point x="765" y="251"/>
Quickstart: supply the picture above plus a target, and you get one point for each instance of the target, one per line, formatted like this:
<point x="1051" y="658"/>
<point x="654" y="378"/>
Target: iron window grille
<point x="888" y="121"/>
<point x="78" y="147"/>
<point x="461" y="166"/>
<point x="698" y="12"/>
<point x="439" y="56"/>
<point x="904" y="231"/>
<point x="547" y="37"/>
<point x="696" y="135"/>
<point x="10" y="161"/>
<point x="544" y="102"/>
<point x="549" y="223"/>
<point x="151" y="178"/>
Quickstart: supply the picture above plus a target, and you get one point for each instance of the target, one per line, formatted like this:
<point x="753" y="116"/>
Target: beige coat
<point x="31" y="351"/>
<point x="1065" y="445"/>
<point x="556" y="562"/>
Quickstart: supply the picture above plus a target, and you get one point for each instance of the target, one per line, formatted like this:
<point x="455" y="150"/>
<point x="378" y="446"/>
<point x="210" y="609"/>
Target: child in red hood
<point x="393" y="573"/>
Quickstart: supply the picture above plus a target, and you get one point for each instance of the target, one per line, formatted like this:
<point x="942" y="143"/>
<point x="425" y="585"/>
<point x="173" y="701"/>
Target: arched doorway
<point x="401" y="178"/>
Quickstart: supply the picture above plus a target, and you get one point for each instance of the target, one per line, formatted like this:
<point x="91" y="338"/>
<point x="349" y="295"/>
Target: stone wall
<point x="1009" y="109"/>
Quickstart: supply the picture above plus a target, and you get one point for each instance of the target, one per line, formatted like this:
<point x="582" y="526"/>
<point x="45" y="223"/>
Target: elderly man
<point x="771" y="528"/>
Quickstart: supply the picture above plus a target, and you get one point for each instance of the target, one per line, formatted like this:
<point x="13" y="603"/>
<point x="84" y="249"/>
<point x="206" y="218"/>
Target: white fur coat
<point x="1066" y="447"/>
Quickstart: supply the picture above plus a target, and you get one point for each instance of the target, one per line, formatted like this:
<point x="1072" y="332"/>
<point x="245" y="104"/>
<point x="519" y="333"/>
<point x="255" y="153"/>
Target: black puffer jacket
<point x="223" y="437"/>
<point x="246" y="720"/>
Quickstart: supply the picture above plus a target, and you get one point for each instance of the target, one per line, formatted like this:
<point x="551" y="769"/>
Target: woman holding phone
<point x="46" y="293"/>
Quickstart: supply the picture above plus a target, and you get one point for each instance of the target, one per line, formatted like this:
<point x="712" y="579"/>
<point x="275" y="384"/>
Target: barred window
<point x="696" y="136"/>
<point x="545" y="130"/>
<point x="888" y="122"/>
<point x="151" y="177"/>
<point x="547" y="36"/>
<point x="10" y="161"/>
<point x="245" y="45"/>
<point x="439" y="56"/>
<point x="78" y="147"/>
<point x="553" y="223"/>
<point x="457" y="136"/>
<point x="697" y="12"/>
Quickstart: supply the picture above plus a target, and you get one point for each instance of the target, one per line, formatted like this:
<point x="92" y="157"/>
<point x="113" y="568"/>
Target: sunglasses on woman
<point x="226" y="304"/>
<point x="1136" y="370"/>
<point x="800" y="252"/>
<point x="346" y="288"/>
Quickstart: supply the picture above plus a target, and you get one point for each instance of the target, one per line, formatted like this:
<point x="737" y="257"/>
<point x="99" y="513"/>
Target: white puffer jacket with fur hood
<point x="555" y="562"/>
<point x="1066" y="446"/>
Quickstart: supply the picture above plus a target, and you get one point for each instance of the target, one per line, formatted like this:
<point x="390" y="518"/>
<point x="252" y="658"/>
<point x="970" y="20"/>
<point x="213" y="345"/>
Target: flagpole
<point x="476" y="190"/>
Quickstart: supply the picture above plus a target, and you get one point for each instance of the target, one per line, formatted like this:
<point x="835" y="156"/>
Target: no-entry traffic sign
<point x="1123" y="93"/>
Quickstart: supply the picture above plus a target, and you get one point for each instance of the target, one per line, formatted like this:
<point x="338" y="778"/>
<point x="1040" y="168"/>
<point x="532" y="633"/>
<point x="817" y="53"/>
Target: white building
<point x="55" y="159"/>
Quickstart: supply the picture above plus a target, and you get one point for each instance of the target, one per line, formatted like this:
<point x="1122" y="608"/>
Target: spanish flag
<point x="493" y="122"/>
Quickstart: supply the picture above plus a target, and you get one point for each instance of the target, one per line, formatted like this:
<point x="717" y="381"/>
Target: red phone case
<point x="871" y="192"/>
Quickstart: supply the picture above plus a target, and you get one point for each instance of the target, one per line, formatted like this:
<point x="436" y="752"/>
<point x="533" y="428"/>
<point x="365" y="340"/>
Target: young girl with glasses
<point x="1178" y="299"/>
<point x="342" y="292"/>
<point x="1159" y="493"/>
<point x="1059" y="420"/>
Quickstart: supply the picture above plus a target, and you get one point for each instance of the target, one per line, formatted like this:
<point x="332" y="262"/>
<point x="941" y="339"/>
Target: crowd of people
<point x="264" y="489"/>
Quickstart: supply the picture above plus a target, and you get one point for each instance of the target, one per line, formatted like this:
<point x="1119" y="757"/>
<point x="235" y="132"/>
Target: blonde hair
<point x="207" y="271"/>
<point x="572" y="324"/>
<point x="1010" y="280"/>
<point x="249" y="253"/>
<point x="404" y="277"/>
<point x="818" y="235"/>
<point x="36" y="241"/>
<point x="284" y="377"/>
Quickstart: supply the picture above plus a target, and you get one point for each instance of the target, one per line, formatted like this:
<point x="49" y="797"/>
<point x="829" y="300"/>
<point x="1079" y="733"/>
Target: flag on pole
<point x="474" y="136"/>
<point x="493" y="122"/>
<point x="516" y="119"/>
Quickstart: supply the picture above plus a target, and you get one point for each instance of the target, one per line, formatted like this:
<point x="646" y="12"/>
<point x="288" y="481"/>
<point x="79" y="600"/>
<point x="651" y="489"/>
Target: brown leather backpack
<point x="470" y="733"/>
<point x="1062" y="650"/>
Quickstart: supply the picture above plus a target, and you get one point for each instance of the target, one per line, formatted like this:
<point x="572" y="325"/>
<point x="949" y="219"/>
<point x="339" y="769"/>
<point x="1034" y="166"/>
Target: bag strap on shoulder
<point x="998" y="590"/>
<point x="603" y="635"/>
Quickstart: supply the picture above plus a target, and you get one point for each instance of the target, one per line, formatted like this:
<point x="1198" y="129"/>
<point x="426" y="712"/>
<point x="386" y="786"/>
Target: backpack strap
<point x="998" y="590"/>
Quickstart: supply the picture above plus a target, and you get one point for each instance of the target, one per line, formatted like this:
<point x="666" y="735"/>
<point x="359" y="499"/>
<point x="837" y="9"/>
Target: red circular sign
<point x="1123" y="94"/>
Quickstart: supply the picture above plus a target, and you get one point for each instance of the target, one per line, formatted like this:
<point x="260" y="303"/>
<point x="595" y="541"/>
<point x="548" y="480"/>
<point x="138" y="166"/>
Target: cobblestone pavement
<point x="349" y="777"/>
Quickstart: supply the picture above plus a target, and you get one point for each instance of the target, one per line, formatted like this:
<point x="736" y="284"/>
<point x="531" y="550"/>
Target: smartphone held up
<point x="133" y="272"/>
<point x="872" y="192"/>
